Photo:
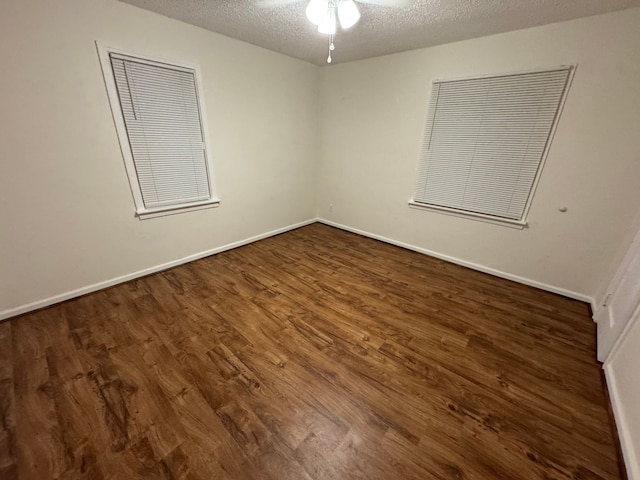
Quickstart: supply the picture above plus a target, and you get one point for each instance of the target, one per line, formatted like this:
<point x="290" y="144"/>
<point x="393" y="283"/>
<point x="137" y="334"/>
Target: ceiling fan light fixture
<point x="348" y="13"/>
<point x="328" y="23"/>
<point x="317" y="11"/>
<point x="326" y="14"/>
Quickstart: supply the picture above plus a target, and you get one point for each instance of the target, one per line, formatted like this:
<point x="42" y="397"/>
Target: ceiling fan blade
<point x="389" y="3"/>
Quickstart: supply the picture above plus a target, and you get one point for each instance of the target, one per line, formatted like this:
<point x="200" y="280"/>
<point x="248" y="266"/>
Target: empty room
<point x="320" y="239"/>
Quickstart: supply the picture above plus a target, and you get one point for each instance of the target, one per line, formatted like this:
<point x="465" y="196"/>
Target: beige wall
<point x="66" y="210"/>
<point x="371" y="119"/>
<point x="281" y="129"/>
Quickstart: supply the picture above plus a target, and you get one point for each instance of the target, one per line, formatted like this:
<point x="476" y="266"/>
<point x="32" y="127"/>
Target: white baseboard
<point x="595" y="306"/>
<point x="464" y="263"/>
<point x="12" y="312"/>
<point x="628" y="452"/>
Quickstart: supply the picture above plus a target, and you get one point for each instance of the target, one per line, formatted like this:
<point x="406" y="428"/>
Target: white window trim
<point x="505" y="222"/>
<point x="141" y="211"/>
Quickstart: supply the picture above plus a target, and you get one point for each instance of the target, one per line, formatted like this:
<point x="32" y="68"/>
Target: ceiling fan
<point x="326" y="14"/>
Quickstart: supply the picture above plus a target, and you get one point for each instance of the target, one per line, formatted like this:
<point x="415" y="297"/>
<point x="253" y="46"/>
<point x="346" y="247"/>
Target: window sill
<point x="505" y="222"/>
<point x="174" y="209"/>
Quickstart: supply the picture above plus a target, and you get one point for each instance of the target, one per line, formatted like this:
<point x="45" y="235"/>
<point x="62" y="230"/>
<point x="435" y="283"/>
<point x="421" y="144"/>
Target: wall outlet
<point x="331" y="207"/>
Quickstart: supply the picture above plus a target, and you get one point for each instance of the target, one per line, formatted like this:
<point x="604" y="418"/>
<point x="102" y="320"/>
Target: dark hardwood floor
<point x="316" y="354"/>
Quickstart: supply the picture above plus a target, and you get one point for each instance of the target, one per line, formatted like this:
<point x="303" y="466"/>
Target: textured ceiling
<point x="281" y="25"/>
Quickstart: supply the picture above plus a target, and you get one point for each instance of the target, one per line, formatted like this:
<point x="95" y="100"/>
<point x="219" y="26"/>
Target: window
<point x="485" y="141"/>
<point x="160" y="126"/>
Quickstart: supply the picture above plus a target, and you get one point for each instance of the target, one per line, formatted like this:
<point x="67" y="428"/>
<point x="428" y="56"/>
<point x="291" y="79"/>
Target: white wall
<point x="372" y="114"/>
<point x="66" y="210"/>
<point x="624" y="388"/>
<point x="59" y="232"/>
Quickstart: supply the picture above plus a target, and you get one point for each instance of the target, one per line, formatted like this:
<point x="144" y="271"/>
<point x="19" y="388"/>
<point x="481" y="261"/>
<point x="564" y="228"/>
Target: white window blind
<point x="485" y="139"/>
<point x="160" y="108"/>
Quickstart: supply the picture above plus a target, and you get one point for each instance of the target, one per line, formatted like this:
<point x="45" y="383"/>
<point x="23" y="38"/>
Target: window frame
<point x="496" y="220"/>
<point x="143" y="212"/>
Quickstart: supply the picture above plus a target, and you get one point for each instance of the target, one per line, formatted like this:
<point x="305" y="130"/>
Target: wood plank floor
<point x="316" y="354"/>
